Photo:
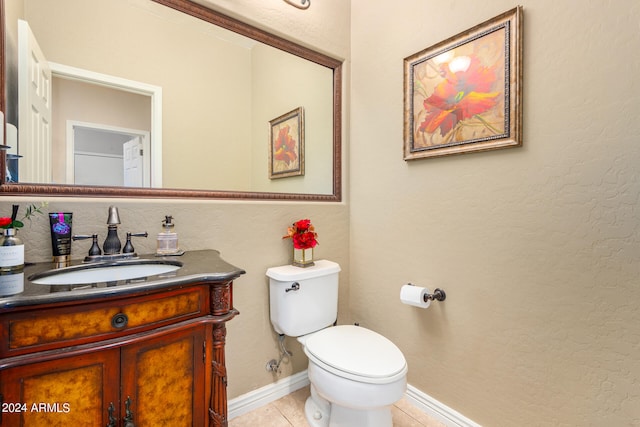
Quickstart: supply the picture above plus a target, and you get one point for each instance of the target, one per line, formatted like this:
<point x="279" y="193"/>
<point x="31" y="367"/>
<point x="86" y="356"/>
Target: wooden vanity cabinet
<point x="164" y="367"/>
<point x="72" y="391"/>
<point x="163" y="380"/>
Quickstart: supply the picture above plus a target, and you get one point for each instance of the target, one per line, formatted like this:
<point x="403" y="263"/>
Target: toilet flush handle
<point x="294" y="287"/>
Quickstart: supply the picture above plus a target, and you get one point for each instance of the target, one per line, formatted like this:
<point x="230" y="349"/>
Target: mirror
<point x="231" y="162"/>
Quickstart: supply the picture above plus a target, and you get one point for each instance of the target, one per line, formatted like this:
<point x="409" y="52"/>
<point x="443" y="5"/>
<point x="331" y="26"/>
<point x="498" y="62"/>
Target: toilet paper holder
<point x="437" y="295"/>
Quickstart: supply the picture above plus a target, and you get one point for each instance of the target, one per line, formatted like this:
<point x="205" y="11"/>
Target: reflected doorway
<point x="107" y="156"/>
<point x="114" y="106"/>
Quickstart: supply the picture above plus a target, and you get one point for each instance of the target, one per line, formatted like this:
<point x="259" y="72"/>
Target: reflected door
<point x="34" y="95"/>
<point x="133" y="162"/>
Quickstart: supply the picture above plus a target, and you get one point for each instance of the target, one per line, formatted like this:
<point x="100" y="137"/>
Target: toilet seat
<point x="356" y="353"/>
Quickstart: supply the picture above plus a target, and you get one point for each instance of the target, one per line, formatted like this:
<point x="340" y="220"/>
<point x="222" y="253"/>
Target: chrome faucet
<point x="112" y="245"/>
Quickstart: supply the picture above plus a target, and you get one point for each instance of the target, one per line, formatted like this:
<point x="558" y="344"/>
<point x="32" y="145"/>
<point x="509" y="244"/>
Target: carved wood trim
<point x="218" y="406"/>
<point x="221" y="300"/>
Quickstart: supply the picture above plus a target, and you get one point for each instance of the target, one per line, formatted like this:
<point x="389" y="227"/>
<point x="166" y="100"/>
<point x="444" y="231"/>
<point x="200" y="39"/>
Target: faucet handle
<point x="128" y="247"/>
<point x="95" y="248"/>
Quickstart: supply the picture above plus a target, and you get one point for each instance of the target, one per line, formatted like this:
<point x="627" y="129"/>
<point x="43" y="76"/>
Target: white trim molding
<point x="437" y="409"/>
<point x="257" y="398"/>
<point x="264" y="395"/>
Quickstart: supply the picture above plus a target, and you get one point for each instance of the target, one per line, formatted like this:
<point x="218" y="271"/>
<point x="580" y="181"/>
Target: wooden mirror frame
<point x="216" y="18"/>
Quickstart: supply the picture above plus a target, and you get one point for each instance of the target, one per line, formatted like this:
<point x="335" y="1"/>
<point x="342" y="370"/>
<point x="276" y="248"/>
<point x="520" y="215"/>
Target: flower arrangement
<point x="303" y="234"/>
<point x="12" y="222"/>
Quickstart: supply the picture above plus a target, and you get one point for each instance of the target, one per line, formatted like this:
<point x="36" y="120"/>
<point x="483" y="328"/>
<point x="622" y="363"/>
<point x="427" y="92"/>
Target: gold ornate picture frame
<point x="286" y="145"/>
<point x="464" y="94"/>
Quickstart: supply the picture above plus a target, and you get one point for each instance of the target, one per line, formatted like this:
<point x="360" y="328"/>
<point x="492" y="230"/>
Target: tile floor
<point x="288" y="411"/>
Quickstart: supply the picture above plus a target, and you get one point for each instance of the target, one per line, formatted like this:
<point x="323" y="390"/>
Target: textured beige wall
<point x="248" y="234"/>
<point x="537" y="247"/>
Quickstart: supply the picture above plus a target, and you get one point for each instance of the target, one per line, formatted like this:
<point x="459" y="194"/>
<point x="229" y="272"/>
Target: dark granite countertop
<point x="197" y="266"/>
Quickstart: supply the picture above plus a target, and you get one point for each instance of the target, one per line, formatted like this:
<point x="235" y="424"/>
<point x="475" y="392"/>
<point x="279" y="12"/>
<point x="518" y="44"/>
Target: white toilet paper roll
<point x="414" y="295"/>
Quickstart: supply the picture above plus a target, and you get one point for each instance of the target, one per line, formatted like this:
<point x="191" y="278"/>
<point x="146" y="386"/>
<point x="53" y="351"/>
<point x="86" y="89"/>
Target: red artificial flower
<point x="285" y="146"/>
<point x="459" y="96"/>
<point x="304" y="240"/>
<point x="12" y="222"/>
<point x="303" y="225"/>
<point x="303" y="234"/>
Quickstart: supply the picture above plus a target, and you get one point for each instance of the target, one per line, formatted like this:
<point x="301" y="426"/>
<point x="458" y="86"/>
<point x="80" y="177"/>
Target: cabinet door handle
<point x="119" y="320"/>
<point x="128" y="419"/>
<point x="112" y="419"/>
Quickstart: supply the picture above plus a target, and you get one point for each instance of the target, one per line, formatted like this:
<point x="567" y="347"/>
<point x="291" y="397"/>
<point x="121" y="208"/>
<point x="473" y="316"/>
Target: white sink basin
<point x="105" y="272"/>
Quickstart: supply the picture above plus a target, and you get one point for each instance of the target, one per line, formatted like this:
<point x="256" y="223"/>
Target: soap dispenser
<point x="167" y="238"/>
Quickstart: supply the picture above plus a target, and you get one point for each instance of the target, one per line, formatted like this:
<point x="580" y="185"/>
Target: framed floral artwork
<point x="286" y="145"/>
<point x="464" y="94"/>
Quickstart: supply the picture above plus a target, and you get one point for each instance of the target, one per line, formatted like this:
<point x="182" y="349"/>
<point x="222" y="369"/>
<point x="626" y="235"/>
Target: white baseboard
<point x="267" y="394"/>
<point x="436" y="409"/>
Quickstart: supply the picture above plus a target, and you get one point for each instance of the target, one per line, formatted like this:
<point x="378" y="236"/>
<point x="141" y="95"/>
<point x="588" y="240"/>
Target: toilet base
<point x="321" y="413"/>
<point x="317" y="410"/>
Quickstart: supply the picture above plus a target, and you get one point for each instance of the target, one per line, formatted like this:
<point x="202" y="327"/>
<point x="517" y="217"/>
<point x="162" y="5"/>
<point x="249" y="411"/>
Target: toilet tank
<point x="310" y="307"/>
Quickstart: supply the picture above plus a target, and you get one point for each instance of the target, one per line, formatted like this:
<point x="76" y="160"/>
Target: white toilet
<point x="356" y="374"/>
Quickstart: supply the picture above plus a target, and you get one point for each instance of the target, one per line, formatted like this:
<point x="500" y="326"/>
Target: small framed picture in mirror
<point x="286" y="145"/>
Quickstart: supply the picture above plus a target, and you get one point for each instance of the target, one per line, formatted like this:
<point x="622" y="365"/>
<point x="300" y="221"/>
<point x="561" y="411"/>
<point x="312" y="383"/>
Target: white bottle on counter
<point x="11" y="251"/>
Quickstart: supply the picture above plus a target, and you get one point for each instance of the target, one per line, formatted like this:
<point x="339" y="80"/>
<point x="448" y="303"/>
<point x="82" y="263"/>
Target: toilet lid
<point x="356" y="351"/>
